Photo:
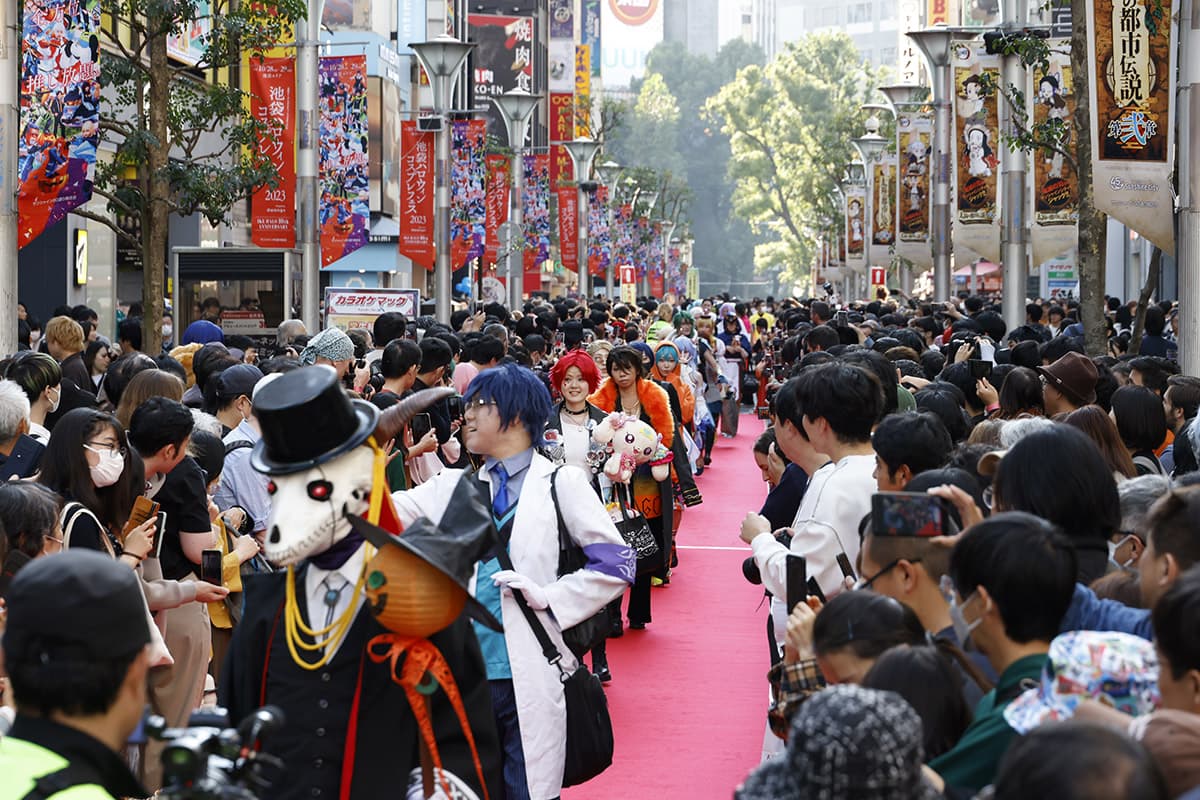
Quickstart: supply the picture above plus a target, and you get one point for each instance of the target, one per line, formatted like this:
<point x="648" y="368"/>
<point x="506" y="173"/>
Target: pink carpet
<point x="688" y="697"/>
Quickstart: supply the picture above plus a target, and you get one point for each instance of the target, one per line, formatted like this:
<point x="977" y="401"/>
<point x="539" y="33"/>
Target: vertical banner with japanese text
<point x="497" y="206"/>
<point x="59" y="111"/>
<point x="416" y="194"/>
<point x="562" y="129"/>
<point x="977" y="150"/>
<point x="345" y="211"/>
<point x="599" y="233"/>
<point x="273" y="104"/>
<point x="568" y="227"/>
<point x="468" y="177"/>
<point x="1055" y="183"/>
<point x="583" y="92"/>
<point x="503" y="61"/>
<point x="914" y="127"/>
<point x="537" y="219"/>
<point x="1131" y="59"/>
<point x="589" y="34"/>
<point x="883" y="207"/>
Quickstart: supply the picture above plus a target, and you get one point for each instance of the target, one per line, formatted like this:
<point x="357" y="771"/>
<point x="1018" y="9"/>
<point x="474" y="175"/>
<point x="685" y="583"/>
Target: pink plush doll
<point x="631" y="442"/>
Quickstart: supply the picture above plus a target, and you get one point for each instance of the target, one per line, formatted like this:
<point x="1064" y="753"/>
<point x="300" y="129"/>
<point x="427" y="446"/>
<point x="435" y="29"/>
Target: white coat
<point x="533" y="548"/>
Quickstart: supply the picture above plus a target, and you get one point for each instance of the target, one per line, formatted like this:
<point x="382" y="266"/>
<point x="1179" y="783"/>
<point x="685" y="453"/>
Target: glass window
<point x="858" y="12"/>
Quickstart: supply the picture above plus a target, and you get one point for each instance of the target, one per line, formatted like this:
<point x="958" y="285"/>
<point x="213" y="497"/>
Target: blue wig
<point x="519" y="395"/>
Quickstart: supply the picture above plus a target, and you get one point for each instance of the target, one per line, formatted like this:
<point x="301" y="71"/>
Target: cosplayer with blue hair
<point x="519" y="395"/>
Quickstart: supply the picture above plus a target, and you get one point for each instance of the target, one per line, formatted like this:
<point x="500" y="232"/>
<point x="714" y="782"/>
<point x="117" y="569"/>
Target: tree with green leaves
<point x="790" y="126"/>
<point x="185" y="130"/>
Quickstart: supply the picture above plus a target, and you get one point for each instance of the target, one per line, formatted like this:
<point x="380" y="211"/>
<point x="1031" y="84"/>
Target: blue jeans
<point x="504" y="708"/>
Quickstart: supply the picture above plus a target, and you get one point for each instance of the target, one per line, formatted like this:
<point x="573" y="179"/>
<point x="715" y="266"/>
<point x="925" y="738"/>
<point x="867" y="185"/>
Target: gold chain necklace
<point x="294" y="624"/>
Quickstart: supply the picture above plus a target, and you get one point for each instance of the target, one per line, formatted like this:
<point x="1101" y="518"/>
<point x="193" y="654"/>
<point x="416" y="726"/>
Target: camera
<point x="750" y="570"/>
<point x="209" y="760"/>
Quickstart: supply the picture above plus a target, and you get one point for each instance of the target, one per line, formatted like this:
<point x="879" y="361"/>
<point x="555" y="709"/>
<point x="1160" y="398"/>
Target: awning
<point x="981" y="268"/>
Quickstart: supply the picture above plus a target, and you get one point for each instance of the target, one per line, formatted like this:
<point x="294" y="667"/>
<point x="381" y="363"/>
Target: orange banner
<point x="496" y="213"/>
<point x="273" y="210"/>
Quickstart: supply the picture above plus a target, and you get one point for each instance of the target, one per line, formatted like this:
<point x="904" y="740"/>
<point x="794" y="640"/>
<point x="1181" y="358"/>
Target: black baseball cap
<point x="75" y="606"/>
<point x="238" y="380"/>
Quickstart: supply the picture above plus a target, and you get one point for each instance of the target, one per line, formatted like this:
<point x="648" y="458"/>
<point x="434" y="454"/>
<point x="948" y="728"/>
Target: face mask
<point x="1125" y="560"/>
<point x="168" y="331"/>
<point x="962" y="628"/>
<point x="108" y="470"/>
<point x="57" y="399"/>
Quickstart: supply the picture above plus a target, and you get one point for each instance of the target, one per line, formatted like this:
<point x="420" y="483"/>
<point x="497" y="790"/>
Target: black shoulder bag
<point x="592" y="631"/>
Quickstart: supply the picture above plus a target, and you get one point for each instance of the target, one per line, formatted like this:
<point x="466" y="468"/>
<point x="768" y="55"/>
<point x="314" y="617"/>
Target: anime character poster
<point x="676" y="277"/>
<point x="60" y="111"/>
<point x="599" y="233"/>
<point x="537" y="218"/>
<point x="273" y="103"/>
<point x="1056" y="186"/>
<point x="976" y="149"/>
<point x="1131" y="59"/>
<point x="468" y="191"/>
<point x="497" y="202"/>
<point x="856" y="223"/>
<point x="345" y="211"/>
<point x="915" y="140"/>
<point x="883" y="204"/>
<point x="503" y="61"/>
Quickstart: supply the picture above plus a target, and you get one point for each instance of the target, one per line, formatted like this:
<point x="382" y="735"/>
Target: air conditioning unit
<point x="429" y="124"/>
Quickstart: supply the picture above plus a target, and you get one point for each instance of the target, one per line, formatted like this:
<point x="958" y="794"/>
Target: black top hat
<point x="306" y="419"/>
<point x="465" y="535"/>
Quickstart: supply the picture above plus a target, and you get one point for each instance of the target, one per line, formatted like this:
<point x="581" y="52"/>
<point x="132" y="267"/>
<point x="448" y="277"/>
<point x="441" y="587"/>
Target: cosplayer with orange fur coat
<point x="687" y="400"/>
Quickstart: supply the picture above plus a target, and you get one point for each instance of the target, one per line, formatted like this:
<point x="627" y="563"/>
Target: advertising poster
<point x="1131" y="57"/>
<point x="599" y="233"/>
<point x="976" y="149"/>
<point x="468" y="192"/>
<point x="537" y="218"/>
<point x="856" y="224"/>
<point x="1055" y="183"/>
<point x="631" y="30"/>
<point x="568" y="227"/>
<point x="883" y="204"/>
<point x="503" y="60"/>
<point x="676" y="281"/>
<point x="347" y="308"/>
<point x="914" y="140"/>
<point x="655" y="262"/>
<point x="562" y="19"/>
<point x="589" y="34"/>
<point x="497" y="201"/>
<point x="416" y="194"/>
<point x="60" y="111"/>
<point x="346" y="15"/>
<point x="345" y="211"/>
<point x="622" y="235"/>
<point x="188" y="44"/>
<point x="273" y="103"/>
<point x="562" y="128"/>
<point x="583" y="93"/>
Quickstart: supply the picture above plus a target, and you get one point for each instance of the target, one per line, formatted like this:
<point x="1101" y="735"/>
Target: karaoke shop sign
<point x="358" y="308"/>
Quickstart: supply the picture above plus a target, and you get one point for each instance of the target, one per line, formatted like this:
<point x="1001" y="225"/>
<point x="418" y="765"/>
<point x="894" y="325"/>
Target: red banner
<point x="657" y="284"/>
<point x="273" y="103"/>
<point x="496" y="213"/>
<point x="568" y="227"/>
<point x="416" y="194"/>
<point x="562" y="129"/>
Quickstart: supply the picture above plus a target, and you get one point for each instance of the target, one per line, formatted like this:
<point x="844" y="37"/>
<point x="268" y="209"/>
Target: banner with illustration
<point x="468" y="193"/>
<point x="976" y="150"/>
<point x="641" y="246"/>
<point x="1131" y="62"/>
<point x="416" y="194"/>
<point x="497" y="202"/>
<point x="583" y="92"/>
<point x="60" y="112"/>
<point x="882" y="207"/>
<point x="856" y="201"/>
<point x="568" y="226"/>
<point x="655" y="261"/>
<point x="537" y="219"/>
<point x="914" y="131"/>
<point x="273" y="103"/>
<point x="676" y="279"/>
<point x="599" y="233"/>
<point x="345" y="210"/>
<point x="1055" y="183"/>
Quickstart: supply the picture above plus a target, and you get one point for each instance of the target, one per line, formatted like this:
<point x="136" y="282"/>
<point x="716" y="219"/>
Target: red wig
<point x="575" y="358"/>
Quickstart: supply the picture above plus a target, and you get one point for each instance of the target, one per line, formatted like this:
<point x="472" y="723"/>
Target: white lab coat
<point x="573" y="598"/>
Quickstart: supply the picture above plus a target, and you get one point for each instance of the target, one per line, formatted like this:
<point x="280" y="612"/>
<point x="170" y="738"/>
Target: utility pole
<point x="308" y="35"/>
<point x="10" y="61"/>
<point x="1187" y="223"/>
<point x="1014" y="248"/>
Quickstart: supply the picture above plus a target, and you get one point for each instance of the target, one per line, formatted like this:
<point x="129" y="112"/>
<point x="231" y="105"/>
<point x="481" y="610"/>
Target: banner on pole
<point x="562" y="129"/>
<point x="976" y="148"/>
<point x="583" y="92"/>
<point x="914" y="129"/>
<point x="537" y="219"/>
<point x="1131" y="59"/>
<point x="468" y="180"/>
<point x="273" y="103"/>
<point x="599" y="233"/>
<point x="503" y="62"/>
<point x="345" y="210"/>
<point x="568" y="227"/>
<point x="1055" y="182"/>
<point x="692" y="280"/>
<point x="59" y="112"/>
<point x="628" y="284"/>
<point x="416" y="195"/>
<point x="497" y="206"/>
<point x="856" y="254"/>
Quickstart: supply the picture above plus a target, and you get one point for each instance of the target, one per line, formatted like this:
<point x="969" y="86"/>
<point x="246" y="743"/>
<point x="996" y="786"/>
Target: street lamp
<point x="516" y="107"/>
<point x="651" y="198"/>
<point x="869" y="147"/>
<point x="852" y="179"/>
<point x="582" y="153"/>
<point x="609" y="172"/>
<point x="442" y="59"/>
<point x="1014" y="246"/>
<point x="934" y="44"/>
<point x="902" y="96"/>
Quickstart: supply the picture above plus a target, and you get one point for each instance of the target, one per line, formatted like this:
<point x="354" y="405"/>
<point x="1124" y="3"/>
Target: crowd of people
<point x="995" y="531"/>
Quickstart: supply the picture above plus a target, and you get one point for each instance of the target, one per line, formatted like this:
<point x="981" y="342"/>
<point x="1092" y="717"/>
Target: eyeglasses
<point x="105" y="447"/>
<point x="865" y="583"/>
<point x="988" y="497"/>
<point x="478" y="403"/>
<point x="58" y="539"/>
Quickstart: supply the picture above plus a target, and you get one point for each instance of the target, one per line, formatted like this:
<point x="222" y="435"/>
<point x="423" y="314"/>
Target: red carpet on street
<point x="689" y="694"/>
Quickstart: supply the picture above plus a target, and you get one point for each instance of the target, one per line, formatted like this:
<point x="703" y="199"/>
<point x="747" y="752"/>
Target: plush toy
<point x="630" y="443"/>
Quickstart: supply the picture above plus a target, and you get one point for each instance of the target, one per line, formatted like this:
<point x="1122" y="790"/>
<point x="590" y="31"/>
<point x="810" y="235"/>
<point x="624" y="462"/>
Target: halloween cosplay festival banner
<point x="497" y="202"/>
<point x="468" y="193"/>
<point x="536" y="219"/>
<point x="1131" y="59"/>
<point x="599" y="233"/>
<point x="60" y="111"/>
<point x="273" y="103"/>
<point x="345" y="211"/>
<point x="416" y="194"/>
<point x="976" y="150"/>
<point x="1055" y="182"/>
<point x="914" y="129"/>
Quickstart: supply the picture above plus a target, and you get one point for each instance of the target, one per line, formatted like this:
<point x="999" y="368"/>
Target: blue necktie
<point x="500" y="501"/>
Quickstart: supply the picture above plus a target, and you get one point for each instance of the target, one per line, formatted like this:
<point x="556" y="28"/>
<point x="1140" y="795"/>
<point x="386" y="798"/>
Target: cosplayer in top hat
<point x="375" y="684"/>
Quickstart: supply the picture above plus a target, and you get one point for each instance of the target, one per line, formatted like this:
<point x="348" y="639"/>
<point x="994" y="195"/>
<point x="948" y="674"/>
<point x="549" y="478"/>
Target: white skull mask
<point x="309" y="508"/>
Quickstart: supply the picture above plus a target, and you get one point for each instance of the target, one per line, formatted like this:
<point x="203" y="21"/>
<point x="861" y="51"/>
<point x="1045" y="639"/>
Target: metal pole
<point x="1187" y="225"/>
<point x="10" y="60"/>
<point x="940" y="218"/>
<point x="442" y="271"/>
<point x="308" y="35"/>
<point x="516" y="237"/>
<point x="1014" y="252"/>
<point x="585" y="280"/>
<point x="609" y="279"/>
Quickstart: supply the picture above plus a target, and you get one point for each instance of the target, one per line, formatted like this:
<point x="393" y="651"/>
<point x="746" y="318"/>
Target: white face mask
<point x="57" y="399"/>
<point x="108" y="470"/>
<point x="167" y="331"/>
